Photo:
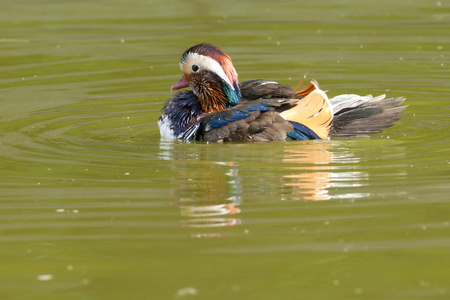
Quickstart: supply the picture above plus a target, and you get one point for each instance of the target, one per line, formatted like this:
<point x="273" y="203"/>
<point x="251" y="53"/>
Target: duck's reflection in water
<point x="216" y="200"/>
<point x="210" y="204"/>
<point x="309" y="170"/>
<point x="210" y="191"/>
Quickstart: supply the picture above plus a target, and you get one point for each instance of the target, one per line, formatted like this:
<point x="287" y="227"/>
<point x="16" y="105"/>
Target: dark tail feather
<point x="355" y="115"/>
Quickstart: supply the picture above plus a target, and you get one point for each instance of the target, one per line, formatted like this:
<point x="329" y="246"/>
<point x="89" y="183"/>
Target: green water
<point x="94" y="206"/>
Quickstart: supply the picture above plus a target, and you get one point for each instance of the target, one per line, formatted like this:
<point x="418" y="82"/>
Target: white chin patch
<point x="164" y="128"/>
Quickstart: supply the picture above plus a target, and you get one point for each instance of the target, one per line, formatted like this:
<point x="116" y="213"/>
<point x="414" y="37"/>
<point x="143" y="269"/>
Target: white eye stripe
<point x="206" y="63"/>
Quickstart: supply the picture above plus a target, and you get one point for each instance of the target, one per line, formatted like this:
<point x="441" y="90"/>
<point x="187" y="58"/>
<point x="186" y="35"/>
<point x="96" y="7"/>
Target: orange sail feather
<point x="313" y="111"/>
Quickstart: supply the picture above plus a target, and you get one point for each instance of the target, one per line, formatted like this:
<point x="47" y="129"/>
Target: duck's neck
<point x="233" y="94"/>
<point x="215" y="95"/>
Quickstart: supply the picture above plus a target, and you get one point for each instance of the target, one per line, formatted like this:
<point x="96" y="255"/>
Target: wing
<point x="311" y="117"/>
<point x="265" y="89"/>
<point x="250" y="121"/>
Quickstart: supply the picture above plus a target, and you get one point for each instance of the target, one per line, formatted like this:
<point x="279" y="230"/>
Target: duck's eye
<point x="195" y="68"/>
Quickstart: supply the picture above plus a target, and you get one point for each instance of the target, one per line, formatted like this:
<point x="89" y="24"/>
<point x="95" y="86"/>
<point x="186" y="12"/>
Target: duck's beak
<point x="182" y="83"/>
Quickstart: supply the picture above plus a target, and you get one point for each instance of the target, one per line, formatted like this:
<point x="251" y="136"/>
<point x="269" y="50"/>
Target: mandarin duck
<point x="218" y="108"/>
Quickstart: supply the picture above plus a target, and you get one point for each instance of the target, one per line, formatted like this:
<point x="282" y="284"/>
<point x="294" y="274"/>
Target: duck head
<point x="209" y="72"/>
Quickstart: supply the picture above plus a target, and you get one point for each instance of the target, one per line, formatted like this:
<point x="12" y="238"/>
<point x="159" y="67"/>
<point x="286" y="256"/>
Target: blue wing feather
<point x="301" y="132"/>
<point x="222" y="118"/>
<point x="260" y="107"/>
<point x="217" y="122"/>
<point x="238" y="115"/>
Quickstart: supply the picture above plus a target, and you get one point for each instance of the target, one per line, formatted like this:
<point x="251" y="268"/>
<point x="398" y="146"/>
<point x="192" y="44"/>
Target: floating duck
<point x="218" y="108"/>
